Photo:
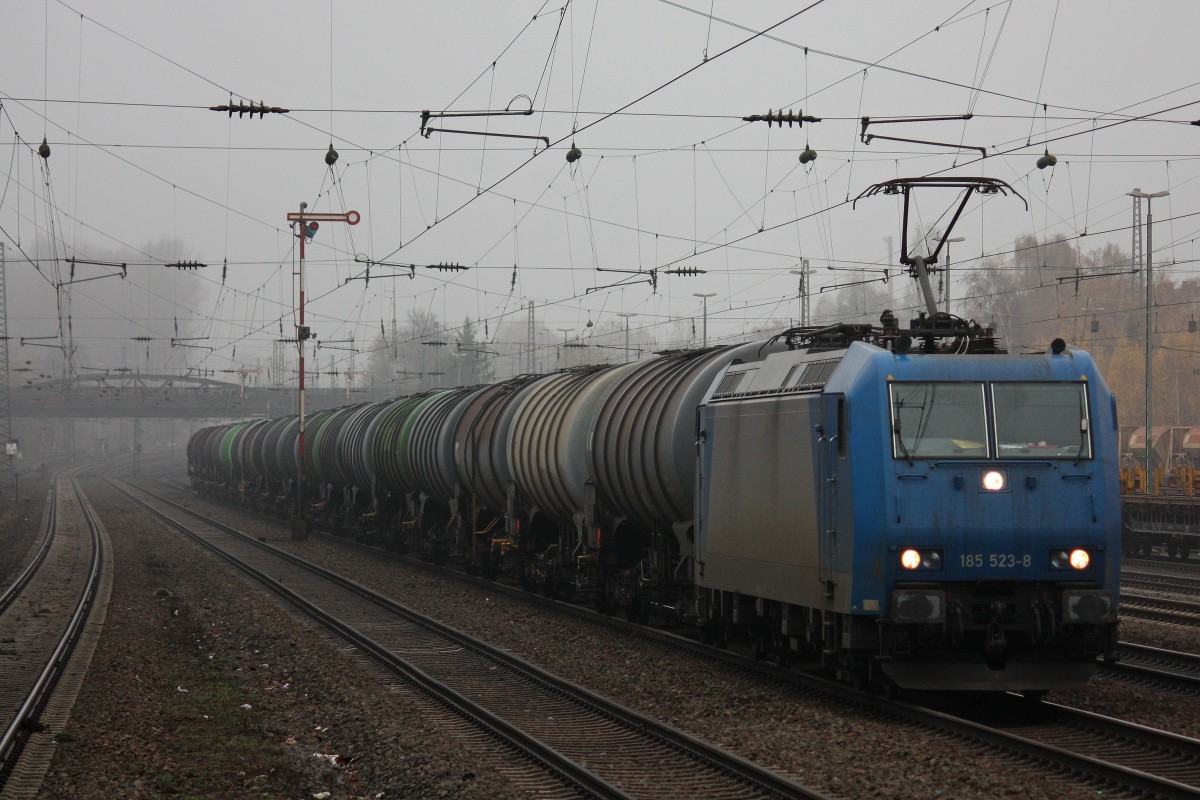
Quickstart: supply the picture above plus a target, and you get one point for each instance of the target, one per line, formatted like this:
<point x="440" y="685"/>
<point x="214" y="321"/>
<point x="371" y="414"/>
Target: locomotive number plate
<point x="995" y="560"/>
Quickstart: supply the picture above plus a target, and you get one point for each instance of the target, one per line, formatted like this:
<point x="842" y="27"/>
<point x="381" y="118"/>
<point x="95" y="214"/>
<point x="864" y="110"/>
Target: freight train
<point x="1161" y="505"/>
<point x="914" y="507"/>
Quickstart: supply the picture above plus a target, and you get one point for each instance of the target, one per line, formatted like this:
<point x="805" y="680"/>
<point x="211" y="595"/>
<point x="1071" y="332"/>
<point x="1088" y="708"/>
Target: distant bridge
<point x="147" y="396"/>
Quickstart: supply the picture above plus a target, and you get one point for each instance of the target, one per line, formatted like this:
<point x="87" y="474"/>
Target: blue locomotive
<point x="938" y="516"/>
<point x="915" y="507"/>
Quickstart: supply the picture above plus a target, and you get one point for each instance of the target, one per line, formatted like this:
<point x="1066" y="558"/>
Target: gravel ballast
<point x="308" y="697"/>
<point x="203" y="686"/>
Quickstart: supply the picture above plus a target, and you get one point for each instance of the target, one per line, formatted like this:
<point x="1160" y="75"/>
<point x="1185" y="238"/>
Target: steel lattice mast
<point x="1135" y="249"/>
<point x="5" y="406"/>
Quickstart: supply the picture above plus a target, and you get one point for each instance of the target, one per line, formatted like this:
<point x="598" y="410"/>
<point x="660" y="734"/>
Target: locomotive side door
<point x="831" y="450"/>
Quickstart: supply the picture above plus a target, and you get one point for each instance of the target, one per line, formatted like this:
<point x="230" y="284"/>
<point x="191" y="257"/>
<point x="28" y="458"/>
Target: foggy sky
<point x="139" y="166"/>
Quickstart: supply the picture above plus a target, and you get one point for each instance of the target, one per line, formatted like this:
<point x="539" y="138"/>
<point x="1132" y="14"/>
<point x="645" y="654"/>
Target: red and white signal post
<point x="306" y="228"/>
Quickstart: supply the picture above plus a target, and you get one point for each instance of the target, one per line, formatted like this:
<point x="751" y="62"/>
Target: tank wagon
<point x="943" y="515"/>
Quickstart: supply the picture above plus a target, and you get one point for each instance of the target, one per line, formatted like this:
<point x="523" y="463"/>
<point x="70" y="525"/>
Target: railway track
<point x="1140" y="663"/>
<point x="1156" y="608"/>
<point x="1149" y="570"/>
<point x="1160" y="591"/>
<point x="576" y="742"/>
<point x="1172" y="581"/>
<point x="1168" y="763"/>
<point x="50" y="619"/>
<point x="1110" y="758"/>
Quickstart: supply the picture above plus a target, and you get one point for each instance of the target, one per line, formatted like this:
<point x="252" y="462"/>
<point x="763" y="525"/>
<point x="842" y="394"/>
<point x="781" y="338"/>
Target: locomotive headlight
<point x="1076" y="558"/>
<point x="911" y="559"/>
<point x="993" y="480"/>
<point x="1080" y="558"/>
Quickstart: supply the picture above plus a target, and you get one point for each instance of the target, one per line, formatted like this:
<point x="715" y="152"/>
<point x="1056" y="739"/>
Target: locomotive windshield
<point x="1041" y="420"/>
<point x="1028" y="420"/>
<point x="938" y="420"/>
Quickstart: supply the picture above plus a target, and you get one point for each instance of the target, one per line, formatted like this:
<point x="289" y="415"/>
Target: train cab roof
<point x="840" y="371"/>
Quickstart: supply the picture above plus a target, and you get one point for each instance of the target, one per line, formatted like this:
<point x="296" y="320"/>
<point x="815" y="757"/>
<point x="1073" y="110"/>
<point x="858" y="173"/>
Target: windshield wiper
<point x="1083" y="429"/>
<point x="900" y="441"/>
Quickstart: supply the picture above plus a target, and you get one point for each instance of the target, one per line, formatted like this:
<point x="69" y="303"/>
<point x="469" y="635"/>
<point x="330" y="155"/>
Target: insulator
<point x="44" y="149"/>
<point x="251" y="108"/>
<point x="808" y="155"/>
<point x="331" y="156"/>
<point x="773" y="117"/>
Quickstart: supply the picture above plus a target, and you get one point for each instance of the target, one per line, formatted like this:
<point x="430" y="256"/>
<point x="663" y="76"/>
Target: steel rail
<point x="14" y="590"/>
<point x="16" y="732"/>
<point x="745" y="770"/>
<point x="1081" y="767"/>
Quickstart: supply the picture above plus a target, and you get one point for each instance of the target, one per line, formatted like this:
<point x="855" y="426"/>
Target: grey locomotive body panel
<point x="763" y="454"/>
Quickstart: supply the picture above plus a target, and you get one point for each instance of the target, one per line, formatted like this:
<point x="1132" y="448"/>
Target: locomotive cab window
<point x="1041" y="420"/>
<point x="938" y="420"/>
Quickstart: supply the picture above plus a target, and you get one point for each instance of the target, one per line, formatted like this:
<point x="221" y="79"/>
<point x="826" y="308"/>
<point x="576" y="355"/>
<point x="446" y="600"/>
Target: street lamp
<point x="626" y="315"/>
<point x="704" y="296"/>
<point x="948" y="241"/>
<point x="802" y="297"/>
<point x="1149" y="323"/>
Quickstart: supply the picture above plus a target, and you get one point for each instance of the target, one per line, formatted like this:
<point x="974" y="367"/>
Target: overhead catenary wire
<point x="720" y="233"/>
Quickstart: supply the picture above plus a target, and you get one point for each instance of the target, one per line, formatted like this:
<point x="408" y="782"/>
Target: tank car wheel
<point x="781" y="651"/>
<point x="487" y="569"/>
<point x="855" y="671"/>
<point x="1185" y="550"/>
<point x="638" y="611"/>
<point x="886" y="688"/>
<point x="714" y="634"/>
<point x="1172" y="547"/>
<point x="761" y="648"/>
